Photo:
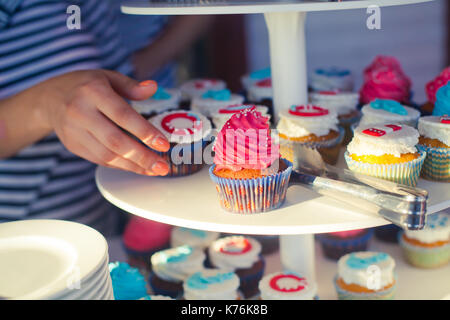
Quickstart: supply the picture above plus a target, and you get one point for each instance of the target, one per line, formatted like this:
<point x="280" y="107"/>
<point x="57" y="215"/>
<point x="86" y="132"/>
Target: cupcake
<point x="221" y="116"/>
<point x="287" y="285"/>
<point x="142" y="238"/>
<point x="435" y="141"/>
<point x="442" y="104"/>
<point x="188" y="133"/>
<point x="430" y="247"/>
<point x="192" y="237"/>
<point x="197" y="87"/>
<point x="386" y="151"/>
<point x="261" y="93"/>
<point x="172" y="266"/>
<point x="241" y="255"/>
<point x="329" y="79"/>
<point x="432" y="87"/>
<point x="248" y="173"/>
<point x="338" y="244"/>
<point x="163" y="100"/>
<point x="249" y="79"/>
<point x="388" y="111"/>
<point x="212" y="100"/>
<point x="343" y="103"/>
<point x="312" y="126"/>
<point x="388" y="233"/>
<point x="127" y="282"/>
<point x="212" y="284"/>
<point x="366" y="276"/>
<point x="385" y="79"/>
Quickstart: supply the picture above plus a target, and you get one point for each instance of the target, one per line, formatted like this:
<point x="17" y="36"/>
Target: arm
<point x="86" y="109"/>
<point x="173" y="41"/>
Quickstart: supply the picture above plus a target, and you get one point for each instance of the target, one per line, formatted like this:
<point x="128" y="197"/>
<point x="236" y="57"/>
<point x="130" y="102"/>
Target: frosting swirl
<point x="385" y="111"/>
<point x="434" y="85"/>
<point x="434" y="128"/>
<point x="442" y="105"/>
<point x="128" y="283"/>
<point x="245" y="143"/>
<point x="211" y="284"/>
<point x="385" y="79"/>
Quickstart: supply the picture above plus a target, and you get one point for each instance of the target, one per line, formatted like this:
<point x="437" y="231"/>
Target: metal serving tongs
<point x="400" y="204"/>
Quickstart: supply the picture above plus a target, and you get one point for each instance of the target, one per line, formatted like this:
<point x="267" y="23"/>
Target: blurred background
<point x="418" y="35"/>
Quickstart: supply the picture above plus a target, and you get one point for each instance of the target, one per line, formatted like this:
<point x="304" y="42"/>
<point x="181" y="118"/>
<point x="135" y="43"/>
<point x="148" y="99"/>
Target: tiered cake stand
<point x="192" y="201"/>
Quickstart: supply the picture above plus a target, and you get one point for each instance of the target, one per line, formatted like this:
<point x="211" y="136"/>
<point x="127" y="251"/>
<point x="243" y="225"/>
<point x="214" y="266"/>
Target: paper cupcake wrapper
<point x="183" y="169"/>
<point x="404" y="173"/>
<point x="328" y="149"/>
<point x="426" y="258"/>
<point x="252" y="195"/>
<point x="437" y="163"/>
<point x="387" y="294"/>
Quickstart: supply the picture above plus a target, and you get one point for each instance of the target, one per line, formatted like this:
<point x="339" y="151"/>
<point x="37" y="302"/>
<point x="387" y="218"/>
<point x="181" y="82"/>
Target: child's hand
<point x="86" y="109"/>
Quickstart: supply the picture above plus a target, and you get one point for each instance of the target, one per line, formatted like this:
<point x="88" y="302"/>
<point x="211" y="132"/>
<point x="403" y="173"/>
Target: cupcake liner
<point x="334" y="248"/>
<point x="329" y="150"/>
<point x="249" y="283"/>
<point x="184" y="169"/>
<point x="437" y="163"/>
<point x="252" y="195"/>
<point x="425" y="258"/>
<point x="404" y="173"/>
<point x="387" y="294"/>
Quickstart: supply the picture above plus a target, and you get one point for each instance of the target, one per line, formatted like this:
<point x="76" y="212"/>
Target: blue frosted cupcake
<point x="211" y="101"/>
<point x="171" y="267"/>
<point x="430" y="247"/>
<point x="332" y="78"/>
<point x="212" y="284"/>
<point x="366" y="276"/>
<point x="127" y="282"/>
<point x="162" y="101"/>
<point x="337" y="244"/>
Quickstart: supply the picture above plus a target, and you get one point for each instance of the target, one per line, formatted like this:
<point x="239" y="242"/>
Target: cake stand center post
<point x="287" y="59"/>
<point x="297" y="254"/>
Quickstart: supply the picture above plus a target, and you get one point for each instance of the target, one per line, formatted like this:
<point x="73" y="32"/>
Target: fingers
<point x="110" y="136"/>
<point x="130" y="88"/>
<point x="120" y="112"/>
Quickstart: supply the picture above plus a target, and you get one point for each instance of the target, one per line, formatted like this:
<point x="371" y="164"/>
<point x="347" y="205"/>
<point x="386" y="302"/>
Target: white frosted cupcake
<point x="312" y="126"/>
<point x="286" y="286"/>
<point x="212" y="100"/>
<point x="430" y="247"/>
<point x="381" y="111"/>
<point x="328" y="79"/>
<point x="172" y="266"/>
<point x="196" y="87"/>
<point x="221" y="116"/>
<point x="387" y="152"/>
<point x="188" y="133"/>
<point x="192" y="237"/>
<point x="212" y="284"/>
<point x="163" y="100"/>
<point x="249" y="79"/>
<point x="366" y="276"/>
<point x="435" y="141"/>
<point x="261" y="92"/>
<point x="241" y="255"/>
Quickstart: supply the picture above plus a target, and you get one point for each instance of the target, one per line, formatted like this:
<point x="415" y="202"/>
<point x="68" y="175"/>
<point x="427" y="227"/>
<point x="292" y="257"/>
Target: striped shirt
<point x="45" y="180"/>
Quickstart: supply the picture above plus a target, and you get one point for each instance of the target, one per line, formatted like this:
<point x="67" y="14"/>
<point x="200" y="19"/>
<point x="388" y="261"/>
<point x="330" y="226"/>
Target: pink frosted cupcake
<point x="385" y="79"/>
<point x="338" y="244"/>
<point x="142" y="238"/>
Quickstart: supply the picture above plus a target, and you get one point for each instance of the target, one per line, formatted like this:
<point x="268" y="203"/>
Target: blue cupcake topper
<point x="333" y="72"/>
<point x="355" y="262"/>
<point x="261" y="74"/>
<point x="161" y="94"/>
<point x="199" y="281"/>
<point x="391" y="106"/>
<point x="128" y="283"/>
<point x="196" y="233"/>
<point x="442" y="105"/>
<point x="222" y="95"/>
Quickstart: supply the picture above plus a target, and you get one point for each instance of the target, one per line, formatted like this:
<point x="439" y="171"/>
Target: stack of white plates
<point x="51" y="259"/>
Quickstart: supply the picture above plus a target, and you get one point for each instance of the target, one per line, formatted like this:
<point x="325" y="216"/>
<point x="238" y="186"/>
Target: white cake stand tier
<point x="191" y="202"/>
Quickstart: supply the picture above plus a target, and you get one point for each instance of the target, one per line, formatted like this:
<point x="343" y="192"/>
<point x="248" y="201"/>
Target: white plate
<point x="40" y="258"/>
<point x="88" y="289"/>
